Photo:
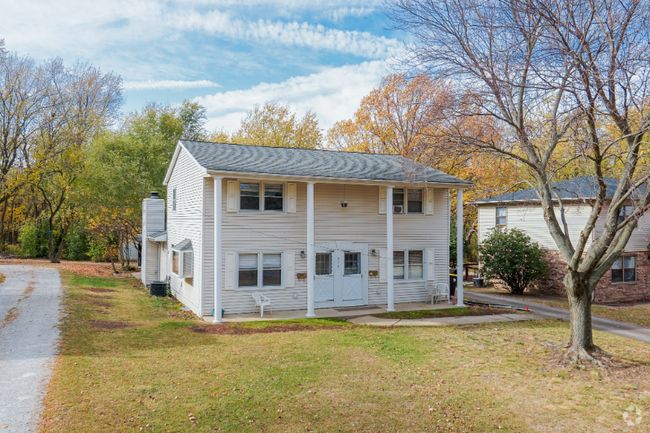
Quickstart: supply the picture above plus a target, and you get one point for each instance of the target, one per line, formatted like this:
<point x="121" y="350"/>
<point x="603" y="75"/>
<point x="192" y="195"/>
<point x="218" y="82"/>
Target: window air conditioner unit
<point x="398" y="209"/>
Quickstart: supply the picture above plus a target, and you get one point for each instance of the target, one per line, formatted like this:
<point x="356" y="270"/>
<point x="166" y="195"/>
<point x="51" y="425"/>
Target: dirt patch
<point x="232" y="329"/>
<point x="108" y="324"/>
<point x="99" y="303"/>
<point x="90" y="295"/>
<point x="100" y="290"/>
<point x="13" y="313"/>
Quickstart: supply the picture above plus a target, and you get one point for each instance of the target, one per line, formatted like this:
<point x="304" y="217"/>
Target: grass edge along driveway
<point x="131" y="363"/>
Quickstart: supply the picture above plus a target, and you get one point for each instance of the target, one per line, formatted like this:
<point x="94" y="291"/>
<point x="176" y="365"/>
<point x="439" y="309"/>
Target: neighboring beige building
<point x="629" y="279"/>
<point x="375" y="228"/>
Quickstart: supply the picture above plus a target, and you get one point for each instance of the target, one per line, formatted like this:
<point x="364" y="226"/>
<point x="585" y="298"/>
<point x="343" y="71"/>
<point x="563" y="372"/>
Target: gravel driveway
<point x="29" y="312"/>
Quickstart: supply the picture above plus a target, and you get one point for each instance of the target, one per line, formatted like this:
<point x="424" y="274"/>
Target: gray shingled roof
<point x="184" y="245"/>
<point x="314" y="163"/>
<point x="576" y="188"/>
<point x="154" y="235"/>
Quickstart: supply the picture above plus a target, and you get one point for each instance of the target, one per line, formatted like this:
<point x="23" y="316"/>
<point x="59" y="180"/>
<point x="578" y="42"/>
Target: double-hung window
<point x="261" y="196"/>
<point x="625" y="212"/>
<point x="260" y="270"/>
<point x="502" y="215"/>
<point x="624" y="270"/>
<point x="407" y="201"/>
<point x="408" y="265"/>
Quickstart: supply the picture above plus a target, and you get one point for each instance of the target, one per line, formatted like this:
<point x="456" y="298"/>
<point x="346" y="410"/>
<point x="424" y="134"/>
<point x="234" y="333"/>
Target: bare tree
<point x="556" y="75"/>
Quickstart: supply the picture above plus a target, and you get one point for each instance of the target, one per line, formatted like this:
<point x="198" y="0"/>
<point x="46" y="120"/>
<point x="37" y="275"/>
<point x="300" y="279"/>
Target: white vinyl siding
<point x="360" y="222"/>
<point x="187" y="223"/>
<point x="530" y="219"/>
<point x="640" y="236"/>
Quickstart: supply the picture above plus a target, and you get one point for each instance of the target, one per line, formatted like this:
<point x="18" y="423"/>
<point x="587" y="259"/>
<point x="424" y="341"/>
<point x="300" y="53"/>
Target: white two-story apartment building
<point x="308" y="228"/>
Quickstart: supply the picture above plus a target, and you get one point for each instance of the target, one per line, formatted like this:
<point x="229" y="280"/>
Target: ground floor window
<point x="624" y="270"/>
<point x="183" y="259"/>
<point x="408" y="265"/>
<point x="260" y="269"/>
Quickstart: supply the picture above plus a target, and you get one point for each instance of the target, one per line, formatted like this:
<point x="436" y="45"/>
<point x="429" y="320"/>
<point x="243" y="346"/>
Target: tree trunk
<point x="59" y="251"/>
<point x="581" y="344"/>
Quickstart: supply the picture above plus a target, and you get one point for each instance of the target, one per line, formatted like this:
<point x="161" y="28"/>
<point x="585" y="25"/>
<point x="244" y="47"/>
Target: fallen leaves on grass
<point x="91" y="269"/>
<point x="99" y="303"/>
<point x="100" y="289"/>
<point x="109" y="324"/>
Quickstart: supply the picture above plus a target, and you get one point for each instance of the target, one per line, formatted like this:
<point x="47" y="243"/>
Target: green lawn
<point x="132" y="363"/>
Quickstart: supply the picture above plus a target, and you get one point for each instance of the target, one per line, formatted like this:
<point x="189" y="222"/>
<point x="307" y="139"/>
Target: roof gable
<point x="237" y="158"/>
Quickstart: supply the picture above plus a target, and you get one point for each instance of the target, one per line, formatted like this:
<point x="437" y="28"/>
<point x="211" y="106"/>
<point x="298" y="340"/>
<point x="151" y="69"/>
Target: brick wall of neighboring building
<point x="606" y="291"/>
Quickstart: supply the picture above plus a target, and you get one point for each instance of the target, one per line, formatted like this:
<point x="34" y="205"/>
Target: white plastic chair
<point x="443" y="292"/>
<point x="432" y="291"/>
<point x="262" y="301"/>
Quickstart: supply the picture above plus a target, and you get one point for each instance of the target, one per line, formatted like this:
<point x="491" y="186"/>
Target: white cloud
<point x="303" y="34"/>
<point x="339" y="14"/>
<point x="333" y="94"/>
<point x="168" y="84"/>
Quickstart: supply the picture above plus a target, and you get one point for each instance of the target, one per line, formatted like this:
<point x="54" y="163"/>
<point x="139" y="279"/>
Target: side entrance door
<point x="341" y="275"/>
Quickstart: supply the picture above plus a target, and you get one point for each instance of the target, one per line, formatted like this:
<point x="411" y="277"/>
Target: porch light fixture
<point x="373" y="252"/>
<point x="302" y="254"/>
<point x="344" y="203"/>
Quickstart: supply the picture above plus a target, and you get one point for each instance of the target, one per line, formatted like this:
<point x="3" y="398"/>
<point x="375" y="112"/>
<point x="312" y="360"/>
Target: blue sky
<point x="226" y="54"/>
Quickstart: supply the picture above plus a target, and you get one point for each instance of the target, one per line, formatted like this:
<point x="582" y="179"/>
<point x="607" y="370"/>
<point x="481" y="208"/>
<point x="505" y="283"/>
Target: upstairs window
<point x="398" y="200"/>
<point x="625" y="212"/>
<point x="501" y="216"/>
<point x="174" y="199"/>
<point x="414" y="201"/>
<point x="273" y="197"/>
<point x="407" y="201"/>
<point x="261" y="196"/>
<point x="624" y="270"/>
<point x="249" y="196"/>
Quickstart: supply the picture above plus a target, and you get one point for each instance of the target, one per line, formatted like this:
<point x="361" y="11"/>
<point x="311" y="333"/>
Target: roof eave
<point x="249" y="175"/>
<point x="530" y="200"/>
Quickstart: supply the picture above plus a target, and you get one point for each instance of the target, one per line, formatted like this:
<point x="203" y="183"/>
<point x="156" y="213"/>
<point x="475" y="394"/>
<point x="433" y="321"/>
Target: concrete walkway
<point x="442" y="321"/>
<point x="29" y="314"/>
<point x="337" y="312"/>
<point x="623" y="329"/>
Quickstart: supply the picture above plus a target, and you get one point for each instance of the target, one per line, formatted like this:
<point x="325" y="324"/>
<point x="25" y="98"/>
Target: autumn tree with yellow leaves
<point x="274" y="125"/>
<point x="414" y="117"/>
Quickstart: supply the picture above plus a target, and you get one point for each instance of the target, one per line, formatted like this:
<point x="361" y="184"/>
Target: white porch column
<point x="218" y="218"/>
<point x="389" y="249"/>
<point x="311" y="256"/>
<point x="459" y="248"/>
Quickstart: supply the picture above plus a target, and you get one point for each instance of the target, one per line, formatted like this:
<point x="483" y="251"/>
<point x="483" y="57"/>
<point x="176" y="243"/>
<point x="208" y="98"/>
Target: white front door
<point x="341" y="275"/>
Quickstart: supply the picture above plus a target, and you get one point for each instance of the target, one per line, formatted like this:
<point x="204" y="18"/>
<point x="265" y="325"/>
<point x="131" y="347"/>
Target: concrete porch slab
<point x="321" y="313"/>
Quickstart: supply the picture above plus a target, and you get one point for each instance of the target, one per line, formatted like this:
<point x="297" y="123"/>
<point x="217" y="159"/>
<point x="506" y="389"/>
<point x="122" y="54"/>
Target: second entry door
<point x="341" y="275"/>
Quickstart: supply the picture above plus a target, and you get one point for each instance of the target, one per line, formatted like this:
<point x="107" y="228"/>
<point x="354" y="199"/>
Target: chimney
<point x="153" y="214"/>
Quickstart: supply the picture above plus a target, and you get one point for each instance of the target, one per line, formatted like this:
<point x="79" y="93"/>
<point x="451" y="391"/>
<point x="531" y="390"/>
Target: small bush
<point x="33" y="239"/>
<point x="76" y="244"/>
<point x="512" y="257"/>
